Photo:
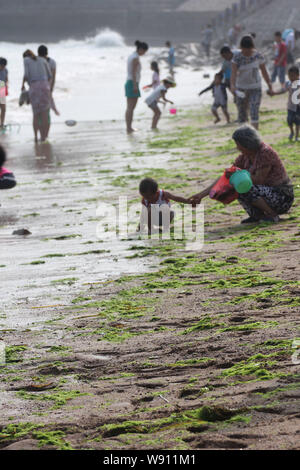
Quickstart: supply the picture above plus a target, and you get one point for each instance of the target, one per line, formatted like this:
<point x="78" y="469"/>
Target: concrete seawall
<point x="52" y="21"/>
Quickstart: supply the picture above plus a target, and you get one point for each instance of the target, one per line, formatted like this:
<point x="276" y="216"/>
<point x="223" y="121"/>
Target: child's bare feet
<point x="217" y="120"/>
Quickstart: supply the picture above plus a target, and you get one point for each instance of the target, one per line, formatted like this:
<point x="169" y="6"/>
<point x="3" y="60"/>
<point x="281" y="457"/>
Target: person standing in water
<point x="207" y="39"/>
<point x="171" y="57"/>
<point x="43" y="52"/>
<point x="132" y="91"/>
<point x="38" y="75"/>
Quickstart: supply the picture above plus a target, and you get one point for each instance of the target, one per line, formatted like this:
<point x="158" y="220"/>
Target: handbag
<point x="24" y="97"/>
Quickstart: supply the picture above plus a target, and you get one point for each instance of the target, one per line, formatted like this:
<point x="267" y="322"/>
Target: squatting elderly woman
<point x="272" y="191"/>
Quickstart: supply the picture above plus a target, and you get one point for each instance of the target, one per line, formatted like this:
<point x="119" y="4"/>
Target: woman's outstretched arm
<point x="196" y="199"/>
<point x="266" y="77"/>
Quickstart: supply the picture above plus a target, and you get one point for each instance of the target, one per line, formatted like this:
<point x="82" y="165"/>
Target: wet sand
<point x="147" y="345"/>
<point x="60" y="186"/>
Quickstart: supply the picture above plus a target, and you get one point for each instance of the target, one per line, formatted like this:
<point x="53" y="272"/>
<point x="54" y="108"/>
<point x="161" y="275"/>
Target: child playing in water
<point x="152" y="195"/>
<point x="153" y="99"/>
<point x="7" y="179"/>
<point x="3" y="90"/>
<point x="155" y="76"/>
<point x="292" y="87"/>
<point x="171" y="57"/>
<point x="220" y="97"/>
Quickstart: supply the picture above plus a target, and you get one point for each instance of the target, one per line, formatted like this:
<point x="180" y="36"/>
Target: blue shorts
<point x="293" y="117"/>
<point x="279" y="71"/>
<point x="129" y="93"/>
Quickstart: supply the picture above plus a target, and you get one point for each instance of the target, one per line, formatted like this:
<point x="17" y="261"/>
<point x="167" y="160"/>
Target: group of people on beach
<point x="159" y="88"/>
<point x="272" y="192"/>
<point x="241" y="74"/>
<point x="39" y="74"/>
<point x="270" y="196"/>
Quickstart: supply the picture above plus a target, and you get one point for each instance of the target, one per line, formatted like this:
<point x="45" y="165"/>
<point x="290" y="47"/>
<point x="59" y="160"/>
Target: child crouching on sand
<point x="153" y="99"/>
<point x="152" y="195"/>
<point x="7" y="179"/>
<point x="292" y="86"/>
<point x="220" y="97"/>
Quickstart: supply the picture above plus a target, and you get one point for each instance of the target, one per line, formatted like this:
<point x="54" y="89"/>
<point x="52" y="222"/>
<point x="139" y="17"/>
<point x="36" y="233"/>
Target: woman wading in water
<point x="38" y="75"/>
<point x="132" y="91"/>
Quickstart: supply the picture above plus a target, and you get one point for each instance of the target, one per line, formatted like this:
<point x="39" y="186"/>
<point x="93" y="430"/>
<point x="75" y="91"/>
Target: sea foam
<point x="108" y="38"/>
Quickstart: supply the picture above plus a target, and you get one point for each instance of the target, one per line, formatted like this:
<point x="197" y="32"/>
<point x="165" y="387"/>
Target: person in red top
<point x="280" y="62"/>
<point x="272" y="191"/>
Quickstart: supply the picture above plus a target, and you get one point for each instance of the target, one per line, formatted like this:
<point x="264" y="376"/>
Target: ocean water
<point x="91" y="74"/>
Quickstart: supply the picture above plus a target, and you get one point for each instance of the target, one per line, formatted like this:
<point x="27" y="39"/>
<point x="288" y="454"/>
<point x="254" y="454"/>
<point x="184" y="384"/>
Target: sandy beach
<point x="133" y="344"/>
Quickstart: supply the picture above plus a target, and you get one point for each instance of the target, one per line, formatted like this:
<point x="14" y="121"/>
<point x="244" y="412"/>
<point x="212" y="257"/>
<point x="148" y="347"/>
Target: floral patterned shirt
<point x="265" y="157"/>
<point x="248" y="75"/>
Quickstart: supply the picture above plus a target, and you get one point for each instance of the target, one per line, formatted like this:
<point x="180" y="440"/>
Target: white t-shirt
<point x="155" y="95"/>
<point x="130" y="60"/>
<point x="248" y="75"/>
<point x="155" y="80"/>
<point x="35" y="70"/>
<point x="290" y="40"/>
<point x="52" y="64"/>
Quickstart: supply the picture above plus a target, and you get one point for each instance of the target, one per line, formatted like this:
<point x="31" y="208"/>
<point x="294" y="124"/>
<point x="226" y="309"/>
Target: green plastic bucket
<point x="241" y="181"/>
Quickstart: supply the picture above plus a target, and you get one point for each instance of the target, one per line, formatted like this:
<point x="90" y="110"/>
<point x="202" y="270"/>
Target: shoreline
<point x="194" y="354"/>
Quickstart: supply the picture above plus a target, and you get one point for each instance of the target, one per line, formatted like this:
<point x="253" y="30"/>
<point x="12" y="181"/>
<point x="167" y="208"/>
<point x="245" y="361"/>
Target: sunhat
<point x="170" y="80"/>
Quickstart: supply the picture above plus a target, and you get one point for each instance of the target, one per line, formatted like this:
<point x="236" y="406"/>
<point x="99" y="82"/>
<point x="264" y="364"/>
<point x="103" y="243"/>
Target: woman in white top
<point x="132" y="91"/>
<point x="247" y="65"/>
<point x="38" y="75"/>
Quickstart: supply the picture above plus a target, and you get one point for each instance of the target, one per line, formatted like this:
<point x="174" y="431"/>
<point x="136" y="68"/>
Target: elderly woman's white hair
<point x="247" y="137"/>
